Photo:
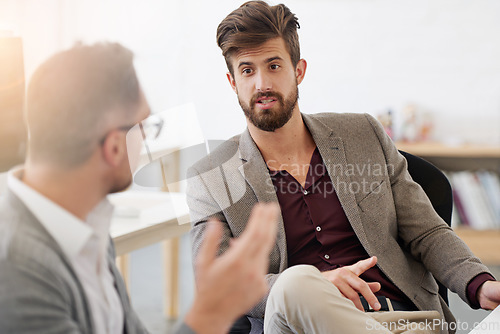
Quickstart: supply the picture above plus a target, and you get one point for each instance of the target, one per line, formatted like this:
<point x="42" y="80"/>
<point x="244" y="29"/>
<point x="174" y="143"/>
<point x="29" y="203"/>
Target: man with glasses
<point x="57" y="271"/>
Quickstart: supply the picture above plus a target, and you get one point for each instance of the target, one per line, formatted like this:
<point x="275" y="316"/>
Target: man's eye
<point x="246" y="71"/>
<point x="274" y="66"/>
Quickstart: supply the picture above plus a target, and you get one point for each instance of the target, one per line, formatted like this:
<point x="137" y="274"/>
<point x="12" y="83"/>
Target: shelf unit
<point x="484" y="244"/>
<point x="433" y="149"/>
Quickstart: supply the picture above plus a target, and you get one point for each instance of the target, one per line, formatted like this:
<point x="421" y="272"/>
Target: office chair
<point x="437" y="188"/>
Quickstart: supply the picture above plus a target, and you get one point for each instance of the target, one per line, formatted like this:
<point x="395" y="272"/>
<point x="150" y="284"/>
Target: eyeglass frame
<point x="158" y="125"/>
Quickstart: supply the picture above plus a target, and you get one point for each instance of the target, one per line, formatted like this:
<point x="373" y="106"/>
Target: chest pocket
<point x="375" y="197"/>
<point x="378" y="212"/>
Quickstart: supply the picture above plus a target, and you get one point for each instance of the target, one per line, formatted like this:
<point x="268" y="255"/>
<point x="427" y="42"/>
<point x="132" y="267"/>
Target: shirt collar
<point x="316" y="167"/>
<point x="273" y="173"/>
<point x="70" y="232"/>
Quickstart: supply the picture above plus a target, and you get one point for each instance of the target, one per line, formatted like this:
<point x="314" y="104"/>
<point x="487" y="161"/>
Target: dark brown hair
<point x="74" y="97"/>
<point x="253" y="24"/>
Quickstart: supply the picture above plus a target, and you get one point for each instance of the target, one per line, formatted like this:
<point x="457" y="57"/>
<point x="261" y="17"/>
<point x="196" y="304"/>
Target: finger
<point x="272" y="212"/>
<point x="260" y="233"/>
<point x="232" y="242"/>
<point x="361" y="266"/>
<point x="370" y="297"/>
<point x="210" y="244"/>
<point x="363" y="288"/>
<point x="348" y="292"/>
<point x="374" y="286"/>
<point x="261" y="216"/>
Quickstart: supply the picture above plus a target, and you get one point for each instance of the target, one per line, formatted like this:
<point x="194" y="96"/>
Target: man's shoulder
<point x="345" y="125"/>
<point x="35" y="280"/>
<point x="334" y="119"/>
<point x="218" y="156"/>
<point x="23" y="245"/>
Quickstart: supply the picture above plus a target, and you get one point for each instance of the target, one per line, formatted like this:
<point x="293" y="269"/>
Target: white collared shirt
<point x="85" y="244"/>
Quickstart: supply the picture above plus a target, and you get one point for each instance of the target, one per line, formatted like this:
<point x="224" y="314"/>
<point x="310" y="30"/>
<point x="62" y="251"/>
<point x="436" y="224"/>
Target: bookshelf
<point x="432" y="149"/>
<point x="456" y="157"/>
<point x="484" y="243"/>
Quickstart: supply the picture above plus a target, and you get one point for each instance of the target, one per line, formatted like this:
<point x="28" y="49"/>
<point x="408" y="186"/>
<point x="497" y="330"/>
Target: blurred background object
<point x="386" y="119"/>
<point x="417" y="125"/>
<point x="12" y="88"/>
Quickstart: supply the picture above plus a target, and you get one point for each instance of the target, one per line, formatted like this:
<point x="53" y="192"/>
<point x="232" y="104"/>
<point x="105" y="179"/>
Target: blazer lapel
<point x="332" y="151"/>
<point x="256" y="174"/>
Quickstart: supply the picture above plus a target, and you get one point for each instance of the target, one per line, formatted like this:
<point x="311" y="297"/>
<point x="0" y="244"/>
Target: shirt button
<point x="318" y="229"/>
<point x="327" y="256"/>
<point x="306" y="192"/>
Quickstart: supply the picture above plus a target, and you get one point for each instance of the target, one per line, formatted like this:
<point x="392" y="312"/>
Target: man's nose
<point x="263" y="82"/>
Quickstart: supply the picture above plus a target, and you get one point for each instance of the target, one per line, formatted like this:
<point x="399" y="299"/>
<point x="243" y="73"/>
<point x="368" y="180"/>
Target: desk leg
<point x="123" y="262"/>
<point x="171" y="275"/>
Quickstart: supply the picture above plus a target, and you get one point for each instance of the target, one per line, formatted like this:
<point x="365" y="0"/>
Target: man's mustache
<point x="271" y="94"/>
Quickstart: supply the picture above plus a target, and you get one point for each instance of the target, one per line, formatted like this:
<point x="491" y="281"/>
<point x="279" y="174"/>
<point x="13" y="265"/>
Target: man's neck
<point x="72" y="190"/>
<point x="290" y="144"/>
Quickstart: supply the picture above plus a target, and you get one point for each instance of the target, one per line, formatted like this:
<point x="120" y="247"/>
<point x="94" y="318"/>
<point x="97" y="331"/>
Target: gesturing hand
<point x="229" y="285"/>
<point x="347" y="280"/>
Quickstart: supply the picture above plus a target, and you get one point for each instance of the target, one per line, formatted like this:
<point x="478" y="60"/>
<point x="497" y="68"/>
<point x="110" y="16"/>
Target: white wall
<point x="441" y="55"/>
<point x="363" y="55"/>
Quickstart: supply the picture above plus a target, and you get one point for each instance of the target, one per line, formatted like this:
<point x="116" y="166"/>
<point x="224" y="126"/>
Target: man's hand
<point x="231" y="284"/>
<point x="347" y="280"/>
<point x="489" y="295"/>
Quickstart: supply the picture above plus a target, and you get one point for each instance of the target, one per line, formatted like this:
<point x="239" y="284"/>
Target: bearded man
<point x="356" y="233"/>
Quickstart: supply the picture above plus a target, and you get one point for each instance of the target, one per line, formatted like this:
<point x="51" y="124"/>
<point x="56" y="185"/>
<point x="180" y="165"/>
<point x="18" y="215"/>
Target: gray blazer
<point x="39" y="290"/>
<point x="389" y="212"/>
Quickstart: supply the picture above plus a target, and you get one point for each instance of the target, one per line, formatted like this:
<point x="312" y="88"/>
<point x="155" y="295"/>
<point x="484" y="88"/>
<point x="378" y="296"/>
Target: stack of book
<point x="476" y="199"/>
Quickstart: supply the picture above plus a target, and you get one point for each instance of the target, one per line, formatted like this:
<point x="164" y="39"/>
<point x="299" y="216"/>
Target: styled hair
<point x="74" y="97"/>
<point x="253" y="24"/>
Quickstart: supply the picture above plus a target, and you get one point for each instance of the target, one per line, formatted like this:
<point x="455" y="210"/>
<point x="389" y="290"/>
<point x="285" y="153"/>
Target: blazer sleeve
<point x="33" y="303"/>
<point x="423" y="233"/>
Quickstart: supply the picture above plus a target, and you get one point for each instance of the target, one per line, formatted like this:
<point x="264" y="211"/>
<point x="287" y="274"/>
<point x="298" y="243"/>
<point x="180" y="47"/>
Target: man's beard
<point x="121" y="186"/>
<point x="273" y="118"/>
<point x="123" y="179"/>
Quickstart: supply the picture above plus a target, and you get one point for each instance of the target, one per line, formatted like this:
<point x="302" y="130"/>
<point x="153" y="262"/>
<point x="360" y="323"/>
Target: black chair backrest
<point x="437" y="188"/>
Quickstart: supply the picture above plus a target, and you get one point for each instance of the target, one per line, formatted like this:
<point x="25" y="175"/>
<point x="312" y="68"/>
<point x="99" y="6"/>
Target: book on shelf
<point x="458" y="216"/>
<point x="491" y="185"/>
<point x="476" y="197"/>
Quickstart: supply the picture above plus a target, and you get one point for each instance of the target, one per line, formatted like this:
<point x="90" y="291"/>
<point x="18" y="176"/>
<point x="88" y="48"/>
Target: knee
<point x="296" y="277"/>
<point x="299" y="284"/>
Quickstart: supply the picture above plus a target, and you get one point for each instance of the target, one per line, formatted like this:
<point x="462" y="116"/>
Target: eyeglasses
<point x="150" y="128"/>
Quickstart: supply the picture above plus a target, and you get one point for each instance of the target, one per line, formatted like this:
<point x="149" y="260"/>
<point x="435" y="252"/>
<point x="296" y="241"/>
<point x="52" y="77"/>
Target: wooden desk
<point x="145" y="218"/>
<point x="159" y="216"/>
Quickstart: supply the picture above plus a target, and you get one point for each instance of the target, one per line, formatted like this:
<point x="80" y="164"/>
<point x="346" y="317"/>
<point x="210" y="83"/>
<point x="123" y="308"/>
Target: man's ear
<point x="232" y="82"/>
<point x="114" y="148"/>
<point x="300" y="70"/>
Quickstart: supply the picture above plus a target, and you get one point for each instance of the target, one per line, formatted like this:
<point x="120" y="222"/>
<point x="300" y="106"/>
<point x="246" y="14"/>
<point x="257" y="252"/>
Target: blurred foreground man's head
<point x="80" y="105"/>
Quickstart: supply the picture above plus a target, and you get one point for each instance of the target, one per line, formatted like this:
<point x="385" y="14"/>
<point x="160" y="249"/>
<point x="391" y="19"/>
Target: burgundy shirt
<point x="318" y="232"/>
